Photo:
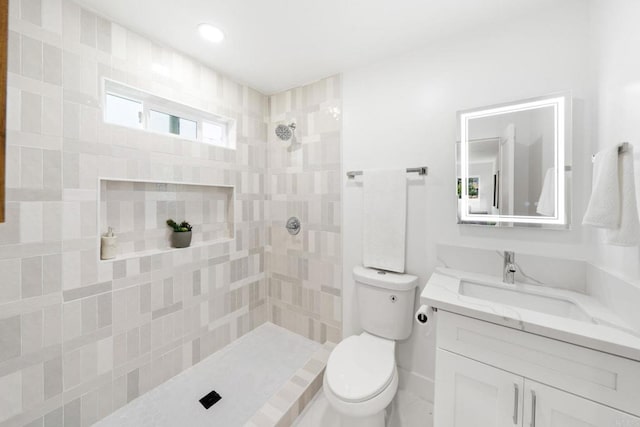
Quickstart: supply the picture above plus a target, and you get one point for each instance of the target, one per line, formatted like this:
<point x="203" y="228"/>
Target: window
<point x="213" y="133"/>
<point x="168" y="123"/>
<point x="123" y="111"/>
<point x="130" y="107"/>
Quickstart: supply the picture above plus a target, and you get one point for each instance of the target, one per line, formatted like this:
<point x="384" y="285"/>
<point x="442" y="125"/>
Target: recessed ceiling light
<point x="210" y="33"/>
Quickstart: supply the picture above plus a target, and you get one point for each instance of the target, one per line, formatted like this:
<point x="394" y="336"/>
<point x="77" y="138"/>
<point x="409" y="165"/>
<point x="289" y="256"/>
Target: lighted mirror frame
<point x="561" y="108"/>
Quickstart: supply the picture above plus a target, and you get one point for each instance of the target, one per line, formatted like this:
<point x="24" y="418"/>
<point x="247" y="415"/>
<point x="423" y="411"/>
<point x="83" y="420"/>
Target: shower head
<point x="285" y="132"/>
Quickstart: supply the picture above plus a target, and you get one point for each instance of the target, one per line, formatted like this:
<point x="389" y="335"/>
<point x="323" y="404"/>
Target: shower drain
<point x="210" y="399"/>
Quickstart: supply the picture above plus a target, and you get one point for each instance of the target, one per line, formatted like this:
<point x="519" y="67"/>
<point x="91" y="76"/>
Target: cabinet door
<point x="546" y="406"/>
<point x="472" y="394"/>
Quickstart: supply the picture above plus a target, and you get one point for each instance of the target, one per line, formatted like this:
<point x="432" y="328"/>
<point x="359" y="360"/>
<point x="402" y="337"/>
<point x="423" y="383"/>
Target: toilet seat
<point x="361" y="367"/>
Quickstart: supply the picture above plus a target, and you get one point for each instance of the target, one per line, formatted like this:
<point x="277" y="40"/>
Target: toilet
<point x="361" y="377"/>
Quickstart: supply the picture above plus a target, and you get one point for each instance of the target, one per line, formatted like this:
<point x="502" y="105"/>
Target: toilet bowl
<point x="361" y="377"/>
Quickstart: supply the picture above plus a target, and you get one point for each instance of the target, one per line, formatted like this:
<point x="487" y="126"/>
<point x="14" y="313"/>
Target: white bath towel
<point x="547" y="200"/>
<point x="604" y="206"/>
<point x="628" y="233"/>
<point x="613" y="203"/>
<point x="385" y="218"/>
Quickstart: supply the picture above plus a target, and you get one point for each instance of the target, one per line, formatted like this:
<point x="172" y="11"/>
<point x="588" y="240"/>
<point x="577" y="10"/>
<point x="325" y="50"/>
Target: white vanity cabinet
<point x="470" y="393"/>
<point x="493" y="376"/>
<point x="546" y="406"/>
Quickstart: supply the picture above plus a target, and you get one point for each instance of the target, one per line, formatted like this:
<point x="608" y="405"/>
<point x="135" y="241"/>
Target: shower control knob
<point x="293" y="225"/>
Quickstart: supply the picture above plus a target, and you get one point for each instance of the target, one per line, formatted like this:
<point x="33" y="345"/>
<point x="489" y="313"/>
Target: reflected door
<point x="507" y="170"/>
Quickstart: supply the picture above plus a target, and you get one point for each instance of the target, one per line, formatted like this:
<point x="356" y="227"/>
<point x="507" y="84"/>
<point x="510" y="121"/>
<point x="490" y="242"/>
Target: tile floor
<point x="246" y="373"/>
<point x="407" y="410"/>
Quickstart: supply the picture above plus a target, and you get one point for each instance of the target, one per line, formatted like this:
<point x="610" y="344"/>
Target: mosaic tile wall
<point x="80" y="338"/>
<point x="138" y="211"/>
<point x="304" y="180"/>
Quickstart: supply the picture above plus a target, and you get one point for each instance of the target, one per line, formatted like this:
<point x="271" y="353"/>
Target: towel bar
<point x="622" y="148"/>
<point x="421" y="170"/>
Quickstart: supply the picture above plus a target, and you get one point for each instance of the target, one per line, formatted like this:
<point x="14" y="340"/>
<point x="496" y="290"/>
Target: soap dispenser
<point x="109" y="245"/>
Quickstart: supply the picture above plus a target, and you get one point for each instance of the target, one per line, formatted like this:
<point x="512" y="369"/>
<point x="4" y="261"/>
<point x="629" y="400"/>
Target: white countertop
<point x="607" y="333"/>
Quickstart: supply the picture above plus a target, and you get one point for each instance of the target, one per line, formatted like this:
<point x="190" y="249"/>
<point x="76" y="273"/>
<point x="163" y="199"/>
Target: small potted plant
<point x="181" y="236"/>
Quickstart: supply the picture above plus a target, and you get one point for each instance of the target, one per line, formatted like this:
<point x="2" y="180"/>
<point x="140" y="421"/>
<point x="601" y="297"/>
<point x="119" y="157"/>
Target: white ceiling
<point x="273" y="45"/>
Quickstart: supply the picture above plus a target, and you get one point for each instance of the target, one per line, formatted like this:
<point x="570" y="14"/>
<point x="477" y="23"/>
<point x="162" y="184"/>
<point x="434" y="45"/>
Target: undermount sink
<point x="516" y="296"/>
<point x="562" y="313"/>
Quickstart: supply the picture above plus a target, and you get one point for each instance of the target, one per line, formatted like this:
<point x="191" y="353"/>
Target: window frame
<point x="172" y="108"/>
<point x="149" y="107"/>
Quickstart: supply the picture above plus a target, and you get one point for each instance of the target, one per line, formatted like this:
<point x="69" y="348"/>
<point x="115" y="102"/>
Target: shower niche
<point x="138" y="210"/>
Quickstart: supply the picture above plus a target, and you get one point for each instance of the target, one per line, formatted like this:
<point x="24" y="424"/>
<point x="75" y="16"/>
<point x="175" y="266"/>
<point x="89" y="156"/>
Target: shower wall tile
<point x="10" y="338"/>
<point x="10" y="289"/>
<point x="11" y="402"/>
<point x="79" y="337"/>
<point x="31" y="59"/>
<point x="303" y="180"/>
<point x="84" y="336"/>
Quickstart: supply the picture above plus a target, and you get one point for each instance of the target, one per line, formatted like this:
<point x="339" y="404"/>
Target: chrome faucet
<point x="509" y="271"/>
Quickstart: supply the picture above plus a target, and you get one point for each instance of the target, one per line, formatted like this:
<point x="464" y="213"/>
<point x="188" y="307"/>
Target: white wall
<point x="616" y="31"/>
<point x="402" y="113"/>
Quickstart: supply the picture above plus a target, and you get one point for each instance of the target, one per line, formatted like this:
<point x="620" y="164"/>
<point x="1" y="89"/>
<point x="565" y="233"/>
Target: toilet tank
<point x="385" y="302"/>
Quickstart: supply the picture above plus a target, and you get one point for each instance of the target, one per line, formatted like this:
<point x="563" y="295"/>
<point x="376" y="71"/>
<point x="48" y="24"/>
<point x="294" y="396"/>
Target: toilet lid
<point x="360" y="367"/>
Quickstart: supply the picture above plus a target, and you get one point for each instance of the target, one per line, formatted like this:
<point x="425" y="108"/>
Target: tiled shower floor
<point x="246" y="373"/>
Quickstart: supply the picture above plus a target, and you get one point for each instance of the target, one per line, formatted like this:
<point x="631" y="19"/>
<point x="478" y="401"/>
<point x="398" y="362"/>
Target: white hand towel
<point x="628" y="233"/>
<point x="604" y="205"/>
<point x="385" y="218"/>
<point x="547" y="201"/>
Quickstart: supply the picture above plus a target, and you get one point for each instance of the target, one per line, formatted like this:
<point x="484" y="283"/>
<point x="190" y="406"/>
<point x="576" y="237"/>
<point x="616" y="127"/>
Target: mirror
<point x="511" y="159"/>
<point x="4" y="19"/>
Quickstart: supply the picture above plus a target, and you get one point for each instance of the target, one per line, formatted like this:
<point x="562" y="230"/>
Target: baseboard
<point x="417" y="384"/>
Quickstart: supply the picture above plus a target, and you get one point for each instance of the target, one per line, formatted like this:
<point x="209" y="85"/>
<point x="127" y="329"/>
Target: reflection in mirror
<point x="511" y="159"/>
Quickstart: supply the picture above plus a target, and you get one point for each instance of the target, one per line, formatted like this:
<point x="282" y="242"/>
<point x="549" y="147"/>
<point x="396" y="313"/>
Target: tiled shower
<point x="304" y="180"/>
<point x="81" y="336"/>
